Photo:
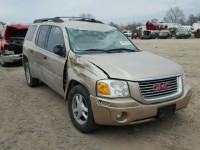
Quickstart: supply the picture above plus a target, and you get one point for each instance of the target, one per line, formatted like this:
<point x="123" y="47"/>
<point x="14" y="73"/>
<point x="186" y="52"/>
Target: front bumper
<point x="105" y="111"/>
<point x="9" y="58"/>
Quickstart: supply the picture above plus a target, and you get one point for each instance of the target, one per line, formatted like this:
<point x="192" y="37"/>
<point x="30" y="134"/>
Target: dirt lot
<point x="37" y="118"/>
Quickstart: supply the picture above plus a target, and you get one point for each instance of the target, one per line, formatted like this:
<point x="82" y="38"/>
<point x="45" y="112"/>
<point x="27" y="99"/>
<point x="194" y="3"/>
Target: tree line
<point x="173" y="15"/>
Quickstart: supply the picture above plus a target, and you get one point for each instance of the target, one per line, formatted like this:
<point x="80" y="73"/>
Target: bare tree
<point x="129" y="26"/>
<point x="198" y="16"/>
<point x="154" y="20"/>
<point x="87" y="15"/>
<point x="165" y="19"/>
<point x="174" y="15"/>
<point x="192" y="19"/>
<point x="114" y="25"/>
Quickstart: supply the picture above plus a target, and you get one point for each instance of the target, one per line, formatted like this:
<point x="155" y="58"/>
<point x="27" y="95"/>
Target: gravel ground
<point x="38" y="119"/>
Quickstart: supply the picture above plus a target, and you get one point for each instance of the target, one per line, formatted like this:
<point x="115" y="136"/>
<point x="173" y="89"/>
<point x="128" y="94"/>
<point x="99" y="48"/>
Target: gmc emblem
<point x="159" y="87"/>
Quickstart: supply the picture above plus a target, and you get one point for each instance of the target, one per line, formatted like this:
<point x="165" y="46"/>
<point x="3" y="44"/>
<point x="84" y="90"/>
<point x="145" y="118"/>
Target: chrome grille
<point x="150" y="93"/>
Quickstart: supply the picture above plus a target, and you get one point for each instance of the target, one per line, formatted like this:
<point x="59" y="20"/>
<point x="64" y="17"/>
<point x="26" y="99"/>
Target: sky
<point x="118" y="11"/>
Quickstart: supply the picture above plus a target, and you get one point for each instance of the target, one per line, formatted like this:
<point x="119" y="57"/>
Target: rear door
<point x="38" y="51"/>
<point x="53" y="67"/>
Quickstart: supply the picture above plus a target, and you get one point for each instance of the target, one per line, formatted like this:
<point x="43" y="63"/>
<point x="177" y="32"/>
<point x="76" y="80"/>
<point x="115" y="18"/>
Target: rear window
<point x="42" y="36"/>
<point x="30" y="33"/>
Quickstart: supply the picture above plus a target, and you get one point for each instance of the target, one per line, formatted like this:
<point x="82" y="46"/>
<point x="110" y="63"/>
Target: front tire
<point x="32" y="82"/>
<point x="80" y="111"/>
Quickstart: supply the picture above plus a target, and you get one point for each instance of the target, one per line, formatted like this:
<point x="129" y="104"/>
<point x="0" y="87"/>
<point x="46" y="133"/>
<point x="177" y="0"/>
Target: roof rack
<point x="48" y="19"/>
<point x="59" y="20"/>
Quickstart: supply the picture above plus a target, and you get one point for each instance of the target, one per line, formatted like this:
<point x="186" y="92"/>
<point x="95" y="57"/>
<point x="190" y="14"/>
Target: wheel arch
<point x="73" y="83"/>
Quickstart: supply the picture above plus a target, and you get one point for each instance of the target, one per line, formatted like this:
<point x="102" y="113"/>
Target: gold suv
<point x="106" y="79"/>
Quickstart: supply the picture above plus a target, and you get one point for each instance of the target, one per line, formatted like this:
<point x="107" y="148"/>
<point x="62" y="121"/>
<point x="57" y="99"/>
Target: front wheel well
<point x="72" y="83"/>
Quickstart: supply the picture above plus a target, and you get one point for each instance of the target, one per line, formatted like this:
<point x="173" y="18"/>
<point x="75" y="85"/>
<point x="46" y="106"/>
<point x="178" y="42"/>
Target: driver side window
<point x="55" y="38"/>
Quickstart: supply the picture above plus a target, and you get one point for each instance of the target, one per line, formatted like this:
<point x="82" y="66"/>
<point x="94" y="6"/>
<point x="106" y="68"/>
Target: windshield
<point x="182" y="30"/>
<point x="82" y="41"/>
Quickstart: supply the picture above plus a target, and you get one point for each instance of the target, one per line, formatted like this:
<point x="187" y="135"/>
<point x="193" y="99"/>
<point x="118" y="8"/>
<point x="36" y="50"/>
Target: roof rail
<point x="59" y="20"/>
<point x="82" y="19"/>
<point x="48" y="19"/>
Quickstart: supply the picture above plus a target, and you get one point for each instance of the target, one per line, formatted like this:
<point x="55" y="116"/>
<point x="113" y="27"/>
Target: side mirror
<point x="58" y="49"/>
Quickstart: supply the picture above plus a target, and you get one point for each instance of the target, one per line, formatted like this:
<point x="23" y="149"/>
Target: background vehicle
<point x="196" y="26"/>
<point x="148" y="35"/>
<point x="189" y="28"/>
<point x="11" y="42"/>
<point x="136" y="34"/>
<point x="164" y="34"/>
<point x="197" y="33"/>
<point x="106" y="79"/>
<point x="182" y="33"/>
<point x="128" y="33"/>
<point x="173" y="31"/>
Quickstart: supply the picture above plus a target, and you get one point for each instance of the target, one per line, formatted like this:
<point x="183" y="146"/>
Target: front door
<point x="53" y="67"/>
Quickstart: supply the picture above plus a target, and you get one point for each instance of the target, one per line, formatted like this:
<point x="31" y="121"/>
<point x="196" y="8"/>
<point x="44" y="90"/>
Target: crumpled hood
<point x="134" y="66"/>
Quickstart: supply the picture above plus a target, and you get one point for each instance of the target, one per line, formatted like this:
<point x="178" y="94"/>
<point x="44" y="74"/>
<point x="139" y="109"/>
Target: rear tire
<point x="32" y="82"/>
<point x="80" y="111"/>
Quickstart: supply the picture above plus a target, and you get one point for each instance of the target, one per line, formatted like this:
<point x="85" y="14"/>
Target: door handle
<point x="45" y="57"/>
<point x="31" y="51"/>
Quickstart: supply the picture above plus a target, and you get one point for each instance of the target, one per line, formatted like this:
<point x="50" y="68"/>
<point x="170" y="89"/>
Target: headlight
<point x="112" y="88"/>
<point x="177" y="33"/>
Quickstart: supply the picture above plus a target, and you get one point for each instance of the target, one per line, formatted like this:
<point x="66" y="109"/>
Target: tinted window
<point x="42" y="36"/>
<point x="30" y="33"/>
<point x="55" y="38"/>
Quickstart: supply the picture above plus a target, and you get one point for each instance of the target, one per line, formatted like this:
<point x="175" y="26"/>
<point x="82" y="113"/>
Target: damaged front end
<point x="13" y="53"/>
<point x="12" y="43"/>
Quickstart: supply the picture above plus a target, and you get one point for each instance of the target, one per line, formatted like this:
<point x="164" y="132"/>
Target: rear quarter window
<point x="30" y="33"/>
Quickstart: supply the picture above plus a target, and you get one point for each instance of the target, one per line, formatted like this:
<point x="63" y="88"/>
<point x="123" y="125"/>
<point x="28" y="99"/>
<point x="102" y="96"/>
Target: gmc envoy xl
<point x="106" y="79"/>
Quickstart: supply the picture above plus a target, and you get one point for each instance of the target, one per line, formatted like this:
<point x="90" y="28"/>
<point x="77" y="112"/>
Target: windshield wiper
<point x="121" y="50"/>
<point x="93" y="50"/>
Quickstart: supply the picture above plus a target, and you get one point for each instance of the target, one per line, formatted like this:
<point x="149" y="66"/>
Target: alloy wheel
<point x="79" y="109"/>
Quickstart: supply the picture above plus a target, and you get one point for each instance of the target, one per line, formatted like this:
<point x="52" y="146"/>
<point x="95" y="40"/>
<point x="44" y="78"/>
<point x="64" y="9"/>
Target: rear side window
<point x="42" y="36"/>
<point x="55" y="38"/>
<point x="30" y="33"/>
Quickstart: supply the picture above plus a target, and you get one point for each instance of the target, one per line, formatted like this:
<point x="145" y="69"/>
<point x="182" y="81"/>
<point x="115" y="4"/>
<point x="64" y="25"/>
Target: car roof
<point x="80" y="25"/>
